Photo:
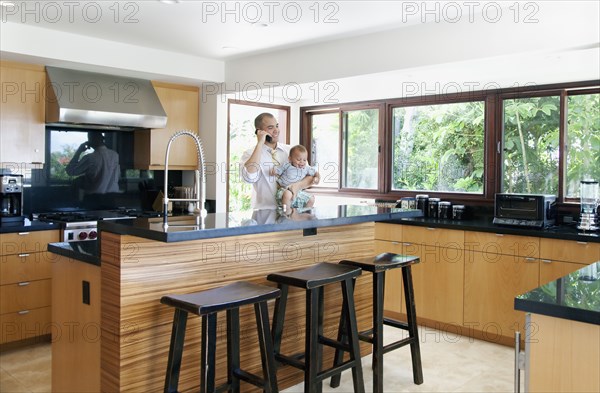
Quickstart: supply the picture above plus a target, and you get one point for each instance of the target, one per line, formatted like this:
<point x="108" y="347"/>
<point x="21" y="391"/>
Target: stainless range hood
<point x="100" y="101"/>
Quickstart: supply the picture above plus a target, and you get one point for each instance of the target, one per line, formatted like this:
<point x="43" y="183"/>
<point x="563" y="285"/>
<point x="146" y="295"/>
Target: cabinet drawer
<point x="497" y="243"/>
<point x="25" y="296"/>
<point x="19" y="326"/>
<point x="27" y="242"/>
<point x="569" y="251"/>
<point x="439" y="237"/>
<point x="26" y="267"/>
<point x="390" y="232"/>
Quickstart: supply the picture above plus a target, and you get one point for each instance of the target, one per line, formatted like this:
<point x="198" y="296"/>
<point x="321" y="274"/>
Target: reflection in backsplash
<point x="50" y="187"/>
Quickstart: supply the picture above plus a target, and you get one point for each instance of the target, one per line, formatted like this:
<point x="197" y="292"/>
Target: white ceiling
<point x="224" y="30"/>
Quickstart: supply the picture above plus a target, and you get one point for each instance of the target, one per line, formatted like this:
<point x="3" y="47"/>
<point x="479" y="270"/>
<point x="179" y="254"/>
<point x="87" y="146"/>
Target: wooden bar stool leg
<point x="357" y="376"/>
<point x="311" y="342"/>
<point x="266" y="347"/>
<point x="413" y="331"/>
<point x="279" y="317"/>
<point x="378" y="295"/>
<point x="342" y="336"/>
<point x="175" y="350"/>
<point x="233" y="349"/>
<point x="208" y="353"/>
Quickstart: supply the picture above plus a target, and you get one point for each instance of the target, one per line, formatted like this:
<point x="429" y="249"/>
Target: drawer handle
<point x="430" y="229"/>
<point x="499" y="234"/>
<point x="395" y="242"/>
<point x="530" y="259"/>
<point x="23" y="233"/>
<point x="407" y="244"/>
<point x="24" y="283"/>
<point x="23" y="312"/>
<point x="23" y="255"/>
<point x="583" y="243"/>
<point x="546" y="261"/>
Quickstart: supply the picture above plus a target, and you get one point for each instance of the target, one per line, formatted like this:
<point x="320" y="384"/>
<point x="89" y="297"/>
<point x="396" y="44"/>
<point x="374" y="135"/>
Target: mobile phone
<point x="268" y="138"/>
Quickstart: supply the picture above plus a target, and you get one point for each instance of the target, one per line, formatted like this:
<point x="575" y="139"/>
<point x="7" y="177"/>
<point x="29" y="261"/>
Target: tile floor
<point x="450" y="364"/>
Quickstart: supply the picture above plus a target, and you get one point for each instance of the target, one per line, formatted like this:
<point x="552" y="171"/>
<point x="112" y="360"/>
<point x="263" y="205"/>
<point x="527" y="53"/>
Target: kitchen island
<point x="141" y="261"/>
<point x="562" y="343"/>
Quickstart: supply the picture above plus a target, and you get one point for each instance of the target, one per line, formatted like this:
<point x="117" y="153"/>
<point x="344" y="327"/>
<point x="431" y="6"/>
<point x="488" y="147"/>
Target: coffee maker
<point x="11" y="210"/>
<point x="590" y="196"/>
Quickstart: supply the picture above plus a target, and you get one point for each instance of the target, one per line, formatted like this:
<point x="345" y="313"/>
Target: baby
<point x="291" y="172"/>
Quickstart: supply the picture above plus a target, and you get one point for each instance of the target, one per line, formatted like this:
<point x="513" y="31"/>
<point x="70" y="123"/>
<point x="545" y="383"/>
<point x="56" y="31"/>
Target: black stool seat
<point x="378" y="266"/>
<point x="315" y="276"/>
<point x="382" y="262"/>
<point x="207" y="304"/>
<point x="220" y="299"/>
<point x="313" y="279"/>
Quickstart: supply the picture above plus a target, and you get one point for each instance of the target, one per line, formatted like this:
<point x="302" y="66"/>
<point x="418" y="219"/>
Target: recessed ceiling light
<point x="229" y="47"/>
<point x="169" y="1"/>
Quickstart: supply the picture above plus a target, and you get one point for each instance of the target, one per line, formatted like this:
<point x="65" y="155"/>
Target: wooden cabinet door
<point x="491" y="283"/>
<point x="181" y="103"/>
<point x="26" y="242"/>
<point x="76" y="338"/>
<point x="390" y="232"/>
<point x="569" y="251"/>
<point x="22" y="114"/>
<point x="438" y="282"/>
<point x="499" y="243"/>
<point x="552" y="270"/>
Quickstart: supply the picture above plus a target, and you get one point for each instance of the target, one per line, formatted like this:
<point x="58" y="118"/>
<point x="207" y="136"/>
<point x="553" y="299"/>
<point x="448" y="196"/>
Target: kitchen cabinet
<point x="437" y="279"/>
<point x="181" y="103"/>
<point x="561" y="257"/>
<point x="25" y="284"/>
<point x="22" y="114"/>
<point x="76" y="333"/>
<point x="497" y="268"/>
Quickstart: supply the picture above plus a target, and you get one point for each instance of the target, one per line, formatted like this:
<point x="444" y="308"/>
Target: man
<point x="100" y="170"/>
<point x="258" y="161"/>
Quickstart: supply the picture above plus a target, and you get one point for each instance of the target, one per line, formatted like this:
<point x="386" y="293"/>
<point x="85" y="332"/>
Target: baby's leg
<point x="286" y="198"/>
<point x="311" y="201"/>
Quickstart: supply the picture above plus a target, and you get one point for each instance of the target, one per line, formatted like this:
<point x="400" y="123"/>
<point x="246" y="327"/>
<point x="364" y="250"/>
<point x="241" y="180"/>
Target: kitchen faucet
<point x="200" y="198"/>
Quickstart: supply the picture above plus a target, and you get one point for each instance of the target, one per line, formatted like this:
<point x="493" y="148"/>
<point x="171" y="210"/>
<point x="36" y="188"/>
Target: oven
<point x="83" y="225"/>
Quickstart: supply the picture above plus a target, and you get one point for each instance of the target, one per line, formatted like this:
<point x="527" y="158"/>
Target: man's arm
<point x="252" y="164"/>
<point x="74" y="168"/>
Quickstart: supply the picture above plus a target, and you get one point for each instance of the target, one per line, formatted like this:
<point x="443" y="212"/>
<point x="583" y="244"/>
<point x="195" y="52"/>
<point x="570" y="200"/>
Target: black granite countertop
<point x="28" y="226"/>
<point x="575" y="296"/>
<point x="86" y="251"/>
<point x="484" y="224"/>
<point x="190" y="227"/>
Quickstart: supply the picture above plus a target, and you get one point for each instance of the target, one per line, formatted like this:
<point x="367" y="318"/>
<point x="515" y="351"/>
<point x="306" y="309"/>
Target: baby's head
<point x="298" y="156"/>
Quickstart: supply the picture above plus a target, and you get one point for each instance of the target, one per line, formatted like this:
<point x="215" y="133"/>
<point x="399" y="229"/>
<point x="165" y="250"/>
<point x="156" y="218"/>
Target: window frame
<point x="493" y="137"/>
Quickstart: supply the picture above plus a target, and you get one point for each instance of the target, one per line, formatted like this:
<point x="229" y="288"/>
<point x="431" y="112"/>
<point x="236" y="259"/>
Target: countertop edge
<point x="558" y="311"/>
<point x="60" y="249"/>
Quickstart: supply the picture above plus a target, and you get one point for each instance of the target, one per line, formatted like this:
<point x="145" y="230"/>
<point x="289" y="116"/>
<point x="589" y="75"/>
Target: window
<point x="462" y="147"/>
<point x="325" y="155"/>
<point x="360" y="149"/>
<point x="531" y="145"/>
<point x="583" y="141"/>
<point x="438" y="147"/>
<point x="241" y="138"/>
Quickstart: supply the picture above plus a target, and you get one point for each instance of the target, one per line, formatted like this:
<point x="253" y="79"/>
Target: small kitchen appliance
<point x="590" y="196"/>
<point x="11" y="194"/>
<point x="525" y="210"/>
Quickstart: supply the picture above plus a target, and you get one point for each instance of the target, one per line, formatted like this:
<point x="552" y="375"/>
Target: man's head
<point x="267" y="122"/>
<point x="298" y="156"/>
<point x="95" y="139"/>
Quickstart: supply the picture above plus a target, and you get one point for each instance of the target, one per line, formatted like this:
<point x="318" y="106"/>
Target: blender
<point x="588" y="219"/>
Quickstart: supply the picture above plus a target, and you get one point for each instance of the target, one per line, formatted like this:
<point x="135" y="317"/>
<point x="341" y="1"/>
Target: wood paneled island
<point x="140" y="261"/>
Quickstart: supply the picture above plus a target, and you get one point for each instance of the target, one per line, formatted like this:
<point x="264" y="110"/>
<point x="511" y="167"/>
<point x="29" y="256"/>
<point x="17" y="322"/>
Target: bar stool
<point x="313" y="279"/>
<point x="378" y="266"/>
<point x="207" y="304"/>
